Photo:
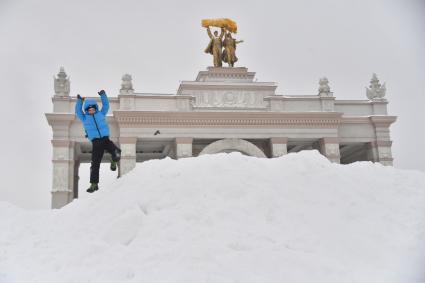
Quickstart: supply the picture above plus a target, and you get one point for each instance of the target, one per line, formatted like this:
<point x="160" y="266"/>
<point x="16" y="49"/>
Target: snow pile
<point x="228" y="218"/>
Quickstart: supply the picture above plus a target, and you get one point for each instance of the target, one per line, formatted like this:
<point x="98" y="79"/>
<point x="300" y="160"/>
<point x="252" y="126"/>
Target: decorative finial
<point x="324" y="89"/>
<point x="61" y="83"/>
<point x="375" y="90"/>
<point x="126" y="85"/>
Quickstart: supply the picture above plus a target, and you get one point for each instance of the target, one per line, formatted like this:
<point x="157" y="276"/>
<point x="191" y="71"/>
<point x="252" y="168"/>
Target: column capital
<point x="279" y="140"/>
<point x="329" y="140"/>
<point x="127" y="140"/>
<point x="184" y="140"/>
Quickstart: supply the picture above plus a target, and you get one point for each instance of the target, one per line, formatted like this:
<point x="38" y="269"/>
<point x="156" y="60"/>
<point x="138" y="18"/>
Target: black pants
<point x="99" y="147"/>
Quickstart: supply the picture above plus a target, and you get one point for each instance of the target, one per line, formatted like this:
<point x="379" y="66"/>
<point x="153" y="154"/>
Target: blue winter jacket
<point x="95" y="125"/>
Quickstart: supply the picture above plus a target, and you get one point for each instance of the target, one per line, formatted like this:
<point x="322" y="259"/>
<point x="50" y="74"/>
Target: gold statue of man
<point x="229" y="53"/>
<point x="215" y="46"/>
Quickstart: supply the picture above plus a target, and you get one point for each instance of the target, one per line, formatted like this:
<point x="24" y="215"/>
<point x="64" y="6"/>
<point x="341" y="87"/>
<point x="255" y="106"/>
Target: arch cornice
<point x="228" y="119"/>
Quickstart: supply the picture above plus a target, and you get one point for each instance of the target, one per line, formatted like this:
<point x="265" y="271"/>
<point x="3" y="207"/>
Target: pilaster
<point x="380" y="151"/>
<point x="183" y="147"/>
<point x="128" y="154"/>
<point x="65" y="173"/>
<point x="278" y="146"/>
<point x="329" y="147"/>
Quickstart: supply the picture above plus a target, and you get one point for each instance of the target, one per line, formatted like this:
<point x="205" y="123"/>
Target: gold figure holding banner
<point x="217" y="43"/>
<point x="229" y="53"/>
<point x="215" y="46"/>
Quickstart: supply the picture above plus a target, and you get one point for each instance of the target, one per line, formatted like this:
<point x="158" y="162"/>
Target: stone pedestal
<point x="128" y="154"/>
<point x="65" y="173"/>
<point x="278" y="147"/>
<point x="329" y="147"/>
<point x="183" y="147"/>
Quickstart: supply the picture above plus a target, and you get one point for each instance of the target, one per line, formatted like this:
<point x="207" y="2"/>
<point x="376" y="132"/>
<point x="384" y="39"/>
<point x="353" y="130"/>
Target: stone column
<point x="278" y="146"/>
<point x="380" y="151"/>
<point x="76" y="177"/>
<point x="128" y="154"/>
<point x="183" y="147"/>
<point x="329" y="147"/>
<point x="64" y="172"/>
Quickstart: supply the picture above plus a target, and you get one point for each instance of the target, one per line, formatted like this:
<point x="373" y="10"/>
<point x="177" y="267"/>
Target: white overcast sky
<point x="160" y="43"/>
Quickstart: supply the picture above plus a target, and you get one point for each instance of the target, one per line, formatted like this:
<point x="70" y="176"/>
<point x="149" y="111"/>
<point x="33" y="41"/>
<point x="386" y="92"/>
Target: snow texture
<point x="228" y="218"/>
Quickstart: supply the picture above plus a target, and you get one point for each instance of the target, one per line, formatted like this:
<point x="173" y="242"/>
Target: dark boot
<point x="113" y="165"/>
<point x="117" y="154"/>
<point x="93" y="187"/>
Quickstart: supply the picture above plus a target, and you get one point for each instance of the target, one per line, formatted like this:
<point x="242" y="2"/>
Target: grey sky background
<point x="160" y="43"/>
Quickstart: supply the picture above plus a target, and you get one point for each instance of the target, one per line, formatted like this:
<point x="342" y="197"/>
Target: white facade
<point x="223" y="110"/>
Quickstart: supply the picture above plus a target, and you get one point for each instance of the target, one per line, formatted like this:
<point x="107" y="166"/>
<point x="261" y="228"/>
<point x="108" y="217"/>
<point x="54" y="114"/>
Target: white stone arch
<point x="227" y="145"/>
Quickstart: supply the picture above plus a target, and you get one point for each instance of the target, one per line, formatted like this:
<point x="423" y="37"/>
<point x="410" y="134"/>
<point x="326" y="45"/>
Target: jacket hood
<point x="89" y="102"/>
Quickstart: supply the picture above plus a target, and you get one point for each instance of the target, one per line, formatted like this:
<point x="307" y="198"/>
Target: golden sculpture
<point x="215" y="46"/>
<point x="217" y="43"/>
<point x="229" y="53"/>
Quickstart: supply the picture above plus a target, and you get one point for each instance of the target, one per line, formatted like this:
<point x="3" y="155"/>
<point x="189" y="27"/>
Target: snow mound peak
<point x="228" y="218"/>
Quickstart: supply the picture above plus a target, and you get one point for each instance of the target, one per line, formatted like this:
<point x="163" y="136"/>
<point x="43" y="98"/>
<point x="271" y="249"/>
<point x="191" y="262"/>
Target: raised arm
<point x="78" y="108"/>
<point x="209" y="33"/>
<point x="222" y="34"/>
<point x="105" y="102"/>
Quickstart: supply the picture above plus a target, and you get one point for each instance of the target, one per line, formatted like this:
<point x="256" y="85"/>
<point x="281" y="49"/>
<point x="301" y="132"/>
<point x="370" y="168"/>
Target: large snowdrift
<point x="228" y="218"/>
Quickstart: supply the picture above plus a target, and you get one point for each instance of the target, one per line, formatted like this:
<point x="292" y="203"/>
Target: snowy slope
<point x="228" y="218"/>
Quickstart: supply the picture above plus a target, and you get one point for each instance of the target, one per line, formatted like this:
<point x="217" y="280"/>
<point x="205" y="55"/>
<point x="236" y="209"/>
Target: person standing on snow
<point x="97" y="131"/>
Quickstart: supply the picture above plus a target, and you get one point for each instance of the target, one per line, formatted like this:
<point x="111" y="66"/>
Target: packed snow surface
<point x="228" y="218"/>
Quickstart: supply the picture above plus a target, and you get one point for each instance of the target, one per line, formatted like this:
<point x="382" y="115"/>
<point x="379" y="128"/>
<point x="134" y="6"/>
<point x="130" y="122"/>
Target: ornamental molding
<point x="360" y="102"/>
<point x="377" y="121"/>
<point x="132" y="119"/>
<point x="59" y="118"/>
<point x="297" y="98"/>
<point x="226" y="99"/>
<point x="383" y="121"/>
<point x="263" y="86"/>
<point x="355" y="120"/>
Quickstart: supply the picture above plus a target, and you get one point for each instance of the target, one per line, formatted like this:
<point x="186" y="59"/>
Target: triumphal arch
<point x="223" y="109"/>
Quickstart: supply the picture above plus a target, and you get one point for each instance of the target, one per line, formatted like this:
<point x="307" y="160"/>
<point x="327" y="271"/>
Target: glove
<point x="102" y="92"/>
<point x="79" y="97"/>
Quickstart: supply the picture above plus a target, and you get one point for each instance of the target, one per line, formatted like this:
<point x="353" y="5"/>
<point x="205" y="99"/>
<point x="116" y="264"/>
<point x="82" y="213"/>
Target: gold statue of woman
<point x="215" y="46"/>
<point x="229" y="53"/>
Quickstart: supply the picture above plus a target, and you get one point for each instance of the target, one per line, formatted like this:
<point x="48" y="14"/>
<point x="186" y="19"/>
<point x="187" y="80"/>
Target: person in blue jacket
<point x="97" y="131"/>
